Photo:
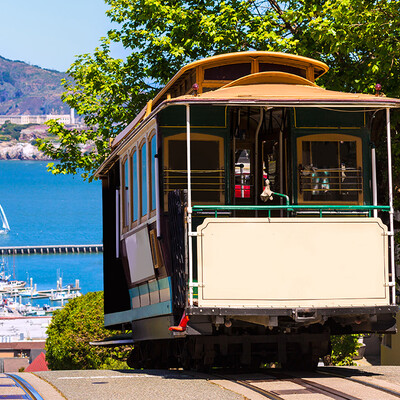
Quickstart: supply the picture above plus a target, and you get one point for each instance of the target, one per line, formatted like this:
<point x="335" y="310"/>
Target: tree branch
<point x="277" y="8"/>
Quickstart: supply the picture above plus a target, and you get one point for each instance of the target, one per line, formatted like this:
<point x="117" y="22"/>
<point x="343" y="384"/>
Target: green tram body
<point x="259" y="281"/>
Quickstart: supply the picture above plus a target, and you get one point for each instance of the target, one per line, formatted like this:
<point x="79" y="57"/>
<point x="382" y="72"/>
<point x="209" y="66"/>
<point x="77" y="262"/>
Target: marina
<point x="19" y="299"/>
<point x="52" y="225"/>
<point x="22" y="300"/>
<point x="64" y="248"/>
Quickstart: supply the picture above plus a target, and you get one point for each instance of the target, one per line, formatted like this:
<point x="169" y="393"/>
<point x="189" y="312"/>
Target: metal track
<point x="333" y="393"/>
<point x="313" y="386"/>
<point x="325" y="390"/>
<point x="371" y="385"/>
<point x="263" y="392"/>
<point x="307" y="386"/>
<point x="267" y="394"/>
<point x="31" y="393"/>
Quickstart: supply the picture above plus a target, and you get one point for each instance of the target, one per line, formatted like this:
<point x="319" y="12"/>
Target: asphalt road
<point x="182" y="385"/>
<point x="134" y="384"/>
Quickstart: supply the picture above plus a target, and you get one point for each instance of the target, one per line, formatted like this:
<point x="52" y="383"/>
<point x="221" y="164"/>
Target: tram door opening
<point x="258" y="147"/>
<point x="271" y="164"/>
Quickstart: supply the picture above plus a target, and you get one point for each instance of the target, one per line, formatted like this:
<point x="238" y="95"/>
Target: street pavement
<point x="134" y="384"/>
<point x="175" y="385"/>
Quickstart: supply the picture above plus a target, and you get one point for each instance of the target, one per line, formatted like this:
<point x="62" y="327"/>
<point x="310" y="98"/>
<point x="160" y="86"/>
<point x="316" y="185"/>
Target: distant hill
<point x="28" y="89"/>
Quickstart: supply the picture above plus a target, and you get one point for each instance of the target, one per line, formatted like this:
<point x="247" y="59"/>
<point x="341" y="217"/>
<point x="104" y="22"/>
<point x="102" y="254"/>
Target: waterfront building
<point x="68" y="119"/>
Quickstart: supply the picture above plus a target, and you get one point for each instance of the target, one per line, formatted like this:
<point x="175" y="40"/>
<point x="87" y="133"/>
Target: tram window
<point x="143" y="180"/>
<point x="153" y="147"/>
<point x="207" y="174"/>
<point x="265" y="67"/>
<point x="135" y="194"/>
<point x="227" y="72"/>
<point x="243" y="174"/>
<point x="125" y="193"/>
<point x="330" y="170"/>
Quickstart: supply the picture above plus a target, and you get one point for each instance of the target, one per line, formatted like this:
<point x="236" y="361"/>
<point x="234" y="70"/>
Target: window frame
<point x="134" y="223"/>
<point x="151" y="166"/>
<point x="125" y="208"/>
<point x="194" y="136"/>
<point x="329" y="137"/>
<point x="143" y="217"/>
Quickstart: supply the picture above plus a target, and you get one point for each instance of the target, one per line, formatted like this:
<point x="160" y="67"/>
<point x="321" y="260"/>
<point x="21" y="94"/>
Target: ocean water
<point x="46" y="209"/>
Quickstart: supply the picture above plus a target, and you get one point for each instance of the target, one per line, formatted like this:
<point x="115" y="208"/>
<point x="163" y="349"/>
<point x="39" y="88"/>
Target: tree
<point x="358" y="39"/>
<point x="71" y="329"/>
<point x="344" y="349"/>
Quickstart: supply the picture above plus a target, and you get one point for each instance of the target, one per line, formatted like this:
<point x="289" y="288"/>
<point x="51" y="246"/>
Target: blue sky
<point x="49" y="33"/>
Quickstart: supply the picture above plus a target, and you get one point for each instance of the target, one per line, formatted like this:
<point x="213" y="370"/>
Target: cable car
<point x="244" y="218"/>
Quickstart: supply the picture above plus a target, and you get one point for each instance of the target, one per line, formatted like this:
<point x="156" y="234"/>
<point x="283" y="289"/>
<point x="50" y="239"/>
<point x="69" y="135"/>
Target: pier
<point x="54" y="249"/>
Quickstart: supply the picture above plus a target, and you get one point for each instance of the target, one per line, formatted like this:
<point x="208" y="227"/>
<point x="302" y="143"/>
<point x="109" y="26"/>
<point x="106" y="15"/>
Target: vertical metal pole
<point x="256" y="184"/>
<point x="281" y="162"/>
<point x="138" y="178"/>
<point x="374" y="185"/>
<point x="241" y="182"/>
<point x="117" y="223"/>
<point x="281" y="166"/>
<point x="392" y="283"/>
<point x="189" y="207"/>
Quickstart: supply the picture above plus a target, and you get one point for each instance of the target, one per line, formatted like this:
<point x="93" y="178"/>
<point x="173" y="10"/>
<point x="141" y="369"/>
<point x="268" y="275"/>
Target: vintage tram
<point x="241" y="216"/>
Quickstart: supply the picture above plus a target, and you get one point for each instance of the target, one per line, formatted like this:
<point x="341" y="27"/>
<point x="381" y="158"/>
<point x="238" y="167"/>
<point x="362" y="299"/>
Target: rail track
<point x="14" y="387"/>
<point x="277" y="385"/>
<point x="368" y="384"/>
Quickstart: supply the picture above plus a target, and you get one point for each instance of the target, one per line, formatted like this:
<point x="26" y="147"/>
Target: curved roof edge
<point x="270" y="77"/>
<point x="254" y="54"/>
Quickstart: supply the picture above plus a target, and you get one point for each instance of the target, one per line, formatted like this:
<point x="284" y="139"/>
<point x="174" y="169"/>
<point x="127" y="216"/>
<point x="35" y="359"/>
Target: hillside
<point x="28" y="89"/>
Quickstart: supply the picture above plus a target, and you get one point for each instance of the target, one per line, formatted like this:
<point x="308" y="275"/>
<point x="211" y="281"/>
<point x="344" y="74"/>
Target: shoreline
<point x="21" y="151"/>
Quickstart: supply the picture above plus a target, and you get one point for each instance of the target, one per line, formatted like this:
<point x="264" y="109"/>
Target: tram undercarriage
<point x="301" y="351"/>
<point x="298" y="340"/>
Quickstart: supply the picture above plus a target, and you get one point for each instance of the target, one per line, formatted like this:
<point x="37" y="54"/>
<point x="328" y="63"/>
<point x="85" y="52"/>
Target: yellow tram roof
<point x="310" y="67"/>
<point x="317" y="68"/>
<point x="263" y="89"/>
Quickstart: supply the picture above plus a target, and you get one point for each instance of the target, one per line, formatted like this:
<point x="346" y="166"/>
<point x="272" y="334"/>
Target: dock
<point x="52" y="249"/>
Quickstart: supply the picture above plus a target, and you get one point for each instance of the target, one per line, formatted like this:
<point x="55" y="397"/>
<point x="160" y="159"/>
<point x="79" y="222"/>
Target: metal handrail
<point x="290" y="207"/>
<point x="198" y="171"/>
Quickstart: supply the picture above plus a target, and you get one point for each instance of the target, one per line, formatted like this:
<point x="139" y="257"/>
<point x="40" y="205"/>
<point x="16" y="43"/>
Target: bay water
<point x="46" y="209"/>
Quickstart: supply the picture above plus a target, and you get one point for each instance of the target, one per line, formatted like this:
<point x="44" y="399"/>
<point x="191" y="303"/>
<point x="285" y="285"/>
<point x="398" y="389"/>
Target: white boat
<point x="62" y="295"/>
<point x="6" y="284"/>
<point x="10" y="286"/>
<point x="4" y="221"/>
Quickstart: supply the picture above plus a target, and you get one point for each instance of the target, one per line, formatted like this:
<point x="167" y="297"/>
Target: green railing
<point x="292" y="208"/>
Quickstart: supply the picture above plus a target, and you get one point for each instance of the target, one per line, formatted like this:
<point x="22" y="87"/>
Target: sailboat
<point x="4" y="222"/>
